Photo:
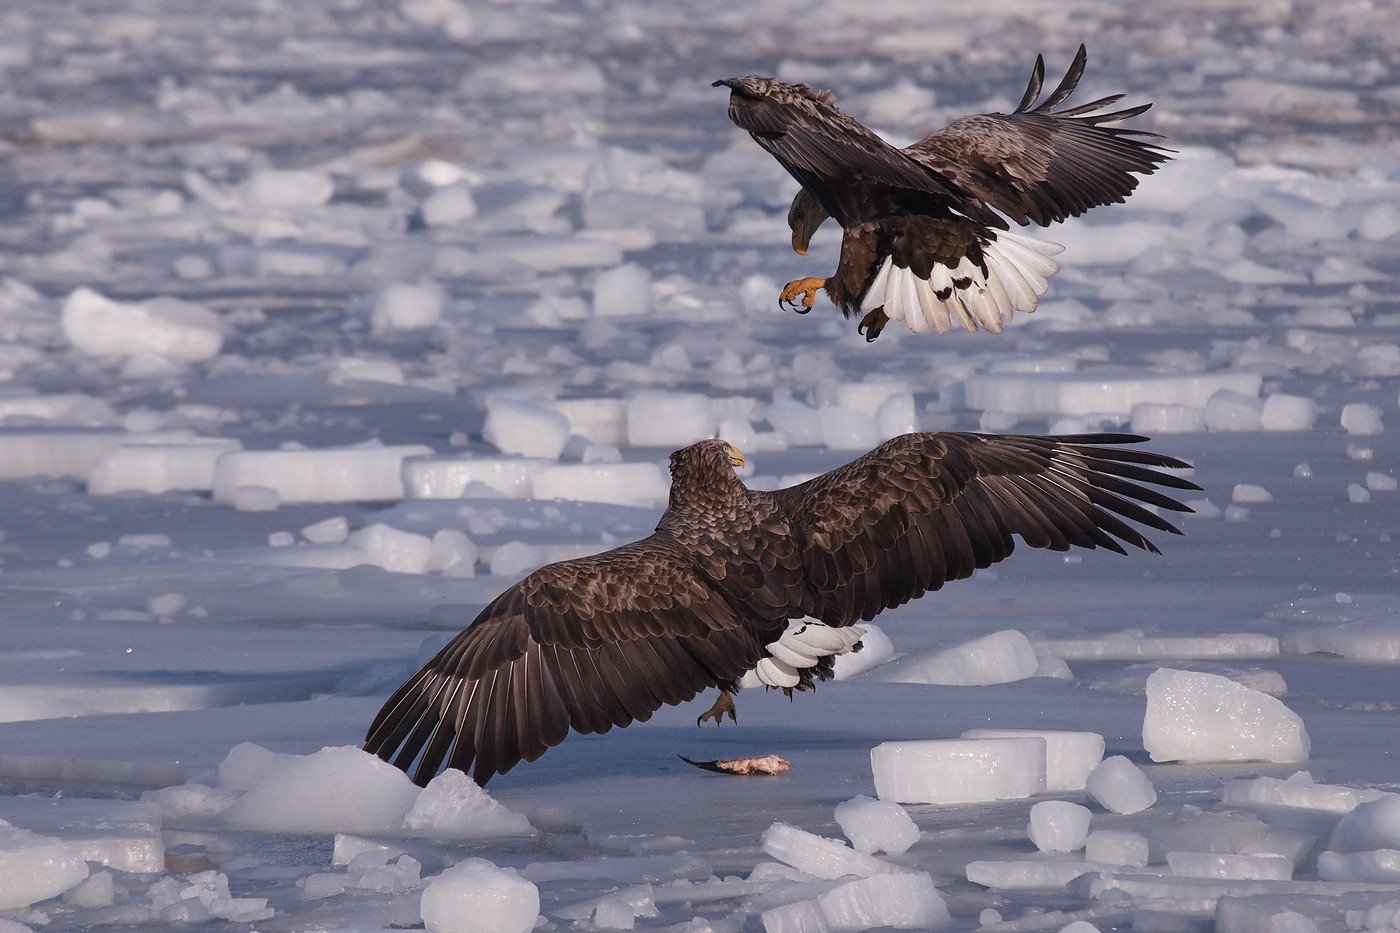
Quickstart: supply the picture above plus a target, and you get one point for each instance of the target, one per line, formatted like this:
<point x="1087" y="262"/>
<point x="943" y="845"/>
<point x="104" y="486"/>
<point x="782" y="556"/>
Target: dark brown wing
<point x="584" y="644"/>
<point x="923" y="509"/>
<point x="1041" y="164"/>
<point x="1035" y="163"/>
<point x="854" y="173"/>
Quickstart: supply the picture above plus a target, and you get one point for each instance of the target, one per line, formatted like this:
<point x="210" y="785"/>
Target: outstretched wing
<point x="923" y="509"/>
<point x="1033" y="164"/>
<point x="584" y="644"/>
<point x="1041" y="164"/>
<point x="849" y="169"/>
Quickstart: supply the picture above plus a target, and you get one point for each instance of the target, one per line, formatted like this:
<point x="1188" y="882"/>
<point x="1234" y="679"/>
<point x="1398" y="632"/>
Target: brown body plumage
<point x="936" y="212"/>
<point x="603" y="641"/>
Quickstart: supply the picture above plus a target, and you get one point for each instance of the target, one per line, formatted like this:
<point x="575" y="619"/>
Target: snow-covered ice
<point x="1199" y="717"/>
<point x="270" y="274"/>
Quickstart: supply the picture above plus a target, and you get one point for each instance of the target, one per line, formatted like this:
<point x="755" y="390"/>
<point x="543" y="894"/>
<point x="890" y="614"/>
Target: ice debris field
<point x="321" y="323"/>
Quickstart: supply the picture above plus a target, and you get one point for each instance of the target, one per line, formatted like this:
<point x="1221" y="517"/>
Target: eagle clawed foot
<point x="872" y="324"/>
<point x="807" y="288"/>
<point x="725" y="704"/>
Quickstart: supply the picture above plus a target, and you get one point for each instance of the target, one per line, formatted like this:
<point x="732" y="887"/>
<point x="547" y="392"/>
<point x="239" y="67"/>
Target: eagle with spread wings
<point x="926" y="234"/>
<point x="737" y="582"/>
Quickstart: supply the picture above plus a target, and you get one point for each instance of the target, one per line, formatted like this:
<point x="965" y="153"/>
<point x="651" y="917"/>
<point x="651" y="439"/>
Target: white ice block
<point x="952" y="771"/>
<point x="1230" y="866"/>
<point x="1372" y="825"/>
<point x="1028" y="875"/>
<point x="34" y="868"/>
<point x="345" y="474"/>
<point x="1373" y="640"/>
<point x="904" y="901"/>
<point x="1116" y="847"/>
<point x="1069" y="756"/>
<point x="447" y="477"/>
<point x="454" y="806"/>
<point x="158" y="468"/>
<point x="339" y="789"/>
<point x="178" y="330"/>
<point x="1119" y="785"/>
<point x="876" y="825"/>
<point x="1378" y="866"/>
<point x="669" y="419"/>
<point x="601" y="420"/>
<point x="798" y="917"/>
<point x="1297" y="791"/>
<point x="818" y="855"/>
<point x="875" y="649"/>
<point x="519" y="427"/>
<point x="639" y="484"/>
<point x="1197" y="717"/>
<point x="1059" y="826"/>
<point x="1100" y="393"/>
<point x="999" y="658"/>
<point x="477" y="897"/>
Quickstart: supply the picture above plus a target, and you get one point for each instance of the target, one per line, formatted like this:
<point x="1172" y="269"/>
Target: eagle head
<point x="706" y="467"/>
<point x="752" y="87"/>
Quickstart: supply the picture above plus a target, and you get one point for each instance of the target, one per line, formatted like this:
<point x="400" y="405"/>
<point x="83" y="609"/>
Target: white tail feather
<point x="1016" y="276"/>
<point x="805" y="642"/>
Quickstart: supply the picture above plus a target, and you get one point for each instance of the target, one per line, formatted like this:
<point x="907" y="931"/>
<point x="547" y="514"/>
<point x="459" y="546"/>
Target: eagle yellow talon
<point x="807" y="288"/>
<point x="725" y="704"/>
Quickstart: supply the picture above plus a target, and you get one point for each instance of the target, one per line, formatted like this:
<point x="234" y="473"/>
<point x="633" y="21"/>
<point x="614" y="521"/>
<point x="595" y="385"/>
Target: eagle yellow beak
<point x="800" y="239"/>
<point x="736" y="457"/>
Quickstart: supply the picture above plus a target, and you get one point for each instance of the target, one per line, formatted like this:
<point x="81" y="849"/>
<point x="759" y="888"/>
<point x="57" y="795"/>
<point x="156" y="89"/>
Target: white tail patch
<point x="805" y="642"/>
<point x="1017" y="269"/>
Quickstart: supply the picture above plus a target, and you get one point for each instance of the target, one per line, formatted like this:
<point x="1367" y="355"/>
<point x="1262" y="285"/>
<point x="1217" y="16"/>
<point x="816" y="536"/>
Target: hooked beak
<point x="736" y="457"/>
<point x="801" y="237"/>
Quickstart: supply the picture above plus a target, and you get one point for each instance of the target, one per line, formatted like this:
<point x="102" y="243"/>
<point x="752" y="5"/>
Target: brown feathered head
<point x="704" y="469"/>
<point x="757" y="87"/>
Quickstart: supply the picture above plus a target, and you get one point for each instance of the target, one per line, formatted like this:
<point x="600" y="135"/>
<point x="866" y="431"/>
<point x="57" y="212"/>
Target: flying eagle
<point x="926" y="235"/>
<point x="604" y="641"/>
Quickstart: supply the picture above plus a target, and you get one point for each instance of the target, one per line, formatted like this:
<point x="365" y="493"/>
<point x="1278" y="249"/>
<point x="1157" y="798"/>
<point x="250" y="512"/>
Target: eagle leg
<point x="807" y="288"/>
<point x="725" y="704"/>
<point x="873" y="322"/>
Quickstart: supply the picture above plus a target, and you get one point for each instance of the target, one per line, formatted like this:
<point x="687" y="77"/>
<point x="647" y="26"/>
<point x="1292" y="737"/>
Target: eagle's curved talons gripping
<point x="725" y="704"/>
<point x="807" y="288"/>
<point x="872" y="324"/>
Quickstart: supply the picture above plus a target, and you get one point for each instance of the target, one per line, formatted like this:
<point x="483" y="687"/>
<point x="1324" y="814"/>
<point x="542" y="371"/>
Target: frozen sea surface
<point x="320" y="323"/>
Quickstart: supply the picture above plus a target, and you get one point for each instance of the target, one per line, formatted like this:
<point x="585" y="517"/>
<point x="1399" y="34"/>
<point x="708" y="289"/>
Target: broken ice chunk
<point x="817" y="855"/>
<point x="1069" y="756"/>
<point x="876" y="825"/>
<point x="1059" y="826"/>
<point x="1196" y="717"/>
<point x="951" y="771"/>
<point x="1119" y="785"/>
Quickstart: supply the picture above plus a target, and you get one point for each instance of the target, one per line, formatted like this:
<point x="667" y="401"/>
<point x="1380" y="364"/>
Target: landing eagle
<point x="927" y="239"/>
<point x="731" y="573"/>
